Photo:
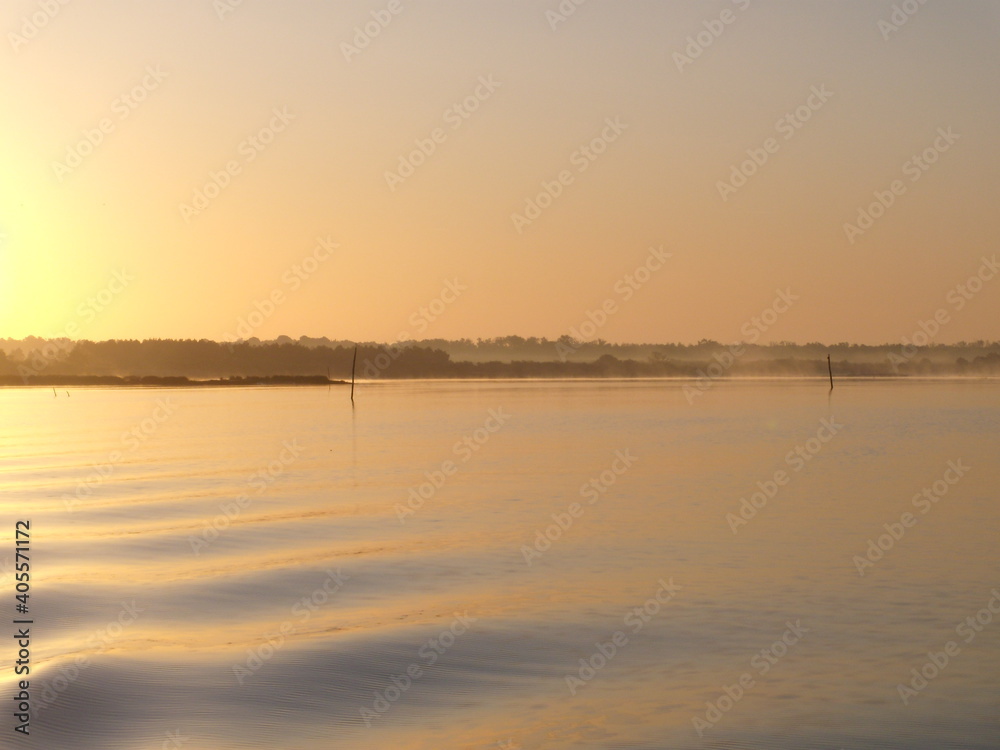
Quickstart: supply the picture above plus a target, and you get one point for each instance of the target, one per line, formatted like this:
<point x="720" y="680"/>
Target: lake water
<point x="267" y="568"/>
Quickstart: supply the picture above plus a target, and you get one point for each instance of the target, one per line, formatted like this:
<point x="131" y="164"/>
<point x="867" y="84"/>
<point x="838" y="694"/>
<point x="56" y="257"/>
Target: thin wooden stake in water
<point x="353" y="366"/>
<point x="829" y="366"/>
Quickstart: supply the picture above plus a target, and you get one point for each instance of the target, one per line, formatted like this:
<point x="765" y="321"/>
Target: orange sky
<point x="456" y="168"/>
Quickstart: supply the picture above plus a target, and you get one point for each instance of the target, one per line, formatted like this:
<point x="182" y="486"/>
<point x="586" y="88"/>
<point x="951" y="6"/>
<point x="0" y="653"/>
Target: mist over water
<point x="507" y="564"/>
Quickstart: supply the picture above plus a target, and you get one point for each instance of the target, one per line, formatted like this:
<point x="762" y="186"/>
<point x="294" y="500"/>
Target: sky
<point x="666" y="171"/>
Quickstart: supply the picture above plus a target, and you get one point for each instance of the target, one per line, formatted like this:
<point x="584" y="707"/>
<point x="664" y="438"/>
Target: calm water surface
<point x="459" y="565"/>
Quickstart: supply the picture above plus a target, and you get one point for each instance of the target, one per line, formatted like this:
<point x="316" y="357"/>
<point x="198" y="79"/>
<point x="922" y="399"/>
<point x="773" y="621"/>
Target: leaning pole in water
<point x="353" y="366"/>
<point x="829" y="367"/>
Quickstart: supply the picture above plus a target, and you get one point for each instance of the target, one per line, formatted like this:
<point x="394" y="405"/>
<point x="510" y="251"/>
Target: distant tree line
<point x="39" y="360"/>
<point x="566" y="348"/>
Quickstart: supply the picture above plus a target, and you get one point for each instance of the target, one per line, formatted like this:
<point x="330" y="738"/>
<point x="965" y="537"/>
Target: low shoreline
<point x="152" y="381"/>
<point x="178" y="381"/>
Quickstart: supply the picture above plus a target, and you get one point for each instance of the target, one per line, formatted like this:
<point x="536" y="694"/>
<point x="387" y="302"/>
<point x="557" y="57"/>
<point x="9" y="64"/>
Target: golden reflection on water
<point x="215" y="584"/>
